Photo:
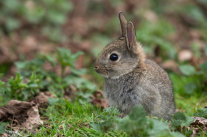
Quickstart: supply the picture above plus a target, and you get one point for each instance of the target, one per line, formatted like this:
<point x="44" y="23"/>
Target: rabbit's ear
<point x="131" y="36"/>
<point x="123" y="23"/>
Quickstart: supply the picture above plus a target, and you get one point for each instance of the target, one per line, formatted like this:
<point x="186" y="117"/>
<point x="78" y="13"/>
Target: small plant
<point x="2" y="127"/>
<point x="201" y="113"/>
<point x="49" y="79"/>
<point x="107" y="120"/>
<point x="192" y="81"/>
<point x="137" y="123"/>
<point x="17" y="88"/>
<point x="180" y="120"/>
<point x="67" y="59"/>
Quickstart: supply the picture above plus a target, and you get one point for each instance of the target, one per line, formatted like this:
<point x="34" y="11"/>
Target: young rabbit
<point x="131" y="79"/>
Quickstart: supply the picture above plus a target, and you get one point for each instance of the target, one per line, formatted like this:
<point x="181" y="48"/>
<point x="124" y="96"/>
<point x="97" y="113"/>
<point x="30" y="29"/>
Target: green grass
<point x="190" y="92"/>
<point x="73" y="119"/>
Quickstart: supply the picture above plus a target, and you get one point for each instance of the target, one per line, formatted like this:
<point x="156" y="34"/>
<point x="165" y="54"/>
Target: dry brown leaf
<point x="200" y="121"/>
<point x="195" y="34"/>
<point x="194" y="133"/>
<point x="198" y="124"/>
<point x="98" y="100"/>
<point x="7" y="50"/>
<point x="42" y="99"/>
<point x="10" y="133"/>
<point x="185" y="55"/>
<point x="33" y="119"/>
<point x="25" y="115"/>
<point x="151" y="16"/>
<point x="69" y="93"/>
<point x="14" y="110"/>
<point x="5" y="135"/>
<point x="170" y="65"/>
<point x="77" y="25"/>
<point x="29" y="44"/>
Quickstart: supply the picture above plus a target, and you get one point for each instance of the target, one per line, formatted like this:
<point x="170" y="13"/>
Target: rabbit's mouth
<point x="102" y="71"/>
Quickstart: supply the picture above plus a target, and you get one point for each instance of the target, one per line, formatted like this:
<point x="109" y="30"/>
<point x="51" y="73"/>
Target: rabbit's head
<point x="122" y="55"/>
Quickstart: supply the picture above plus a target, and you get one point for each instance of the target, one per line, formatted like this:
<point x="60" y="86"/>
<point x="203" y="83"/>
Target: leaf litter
<point x="25" y="115"/>
<point x="98" y="100"/>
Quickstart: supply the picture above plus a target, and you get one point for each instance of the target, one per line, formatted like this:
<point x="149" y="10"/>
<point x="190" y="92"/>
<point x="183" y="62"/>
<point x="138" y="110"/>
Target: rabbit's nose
<point x="96" y="67"/>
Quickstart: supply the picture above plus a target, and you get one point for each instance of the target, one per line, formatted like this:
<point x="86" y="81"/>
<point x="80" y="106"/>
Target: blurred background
<point x="173" y="33"/>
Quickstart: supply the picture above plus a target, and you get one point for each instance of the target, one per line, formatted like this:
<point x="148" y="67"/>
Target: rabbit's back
<point x="156" y="80"/>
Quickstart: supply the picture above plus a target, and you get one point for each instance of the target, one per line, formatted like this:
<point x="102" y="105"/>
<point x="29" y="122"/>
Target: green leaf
<point x="56" y="17"/>
<point x="137" y="113"/>
<point x="50" y="59"/>
<point x="204" y="67"/>
<point x="35" y="15"/>
<point x="136" y="123"/>
<point x="205" y="50"/>
<point x="80" y="83"/>
<point x="52" y="101"/>
<point x="111" y="111"/>
<point x="12" y="23"/>
<point x="54" y="33"/>
<point x="12" y="5"/>
<point x="180" y="119"/>
<point x="2" y="127"/>
<point x="159" y="128"/>
<point x="84" y="97"/>
<point x="190" y="88"/>
<point x="187" y="69"/>
<point x="78" y="72"/>
<point x="201" y="113"/>
<point x="176" y="134"/>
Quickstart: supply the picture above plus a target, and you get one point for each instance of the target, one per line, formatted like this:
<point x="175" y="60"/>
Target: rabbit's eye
<point x="114" y="57"/>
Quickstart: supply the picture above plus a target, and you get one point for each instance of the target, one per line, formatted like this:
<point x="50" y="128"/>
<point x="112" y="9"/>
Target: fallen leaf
<point x="195" y="34"/>
<point x="33" y="119"/>
<point x="30" y="45"/>
<point x="70" y="92"/>
<point x="98" y="100"/>
<point x="185" y="55"/>
<point x="198" y="124"/>
<point x="194" y="133"/>
<point x="170" y="65"/>
<point x="151" y="16"/>
<point x="42" y="99"/>
<point x="5" y="135"/>
<point x="14" y="109"/>
<point x="10" y="133"/>
<point x="25" y="115"/>
<point x="200" y="121"/>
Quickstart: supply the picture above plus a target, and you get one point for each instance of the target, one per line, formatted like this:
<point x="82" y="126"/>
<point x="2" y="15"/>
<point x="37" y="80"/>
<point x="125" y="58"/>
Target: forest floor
<point x="48" y="85"/>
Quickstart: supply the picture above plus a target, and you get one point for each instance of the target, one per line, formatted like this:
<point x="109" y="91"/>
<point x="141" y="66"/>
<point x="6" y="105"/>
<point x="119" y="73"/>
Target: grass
<point x="188" y="101"/>
<point x="72" y="119"/>
<point x="66" y="118"/>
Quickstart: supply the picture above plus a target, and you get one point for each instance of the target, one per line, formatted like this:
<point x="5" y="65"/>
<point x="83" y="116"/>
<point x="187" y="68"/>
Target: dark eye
<point x="114" y="57"/>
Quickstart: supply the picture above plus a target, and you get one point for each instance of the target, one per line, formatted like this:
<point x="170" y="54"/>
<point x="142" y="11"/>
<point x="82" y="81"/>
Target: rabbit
<point x="130" y="79"/>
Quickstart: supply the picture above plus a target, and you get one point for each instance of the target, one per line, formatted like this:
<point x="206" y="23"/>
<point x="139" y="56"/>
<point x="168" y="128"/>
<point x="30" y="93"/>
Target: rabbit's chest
<point x="121" y="95"/>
